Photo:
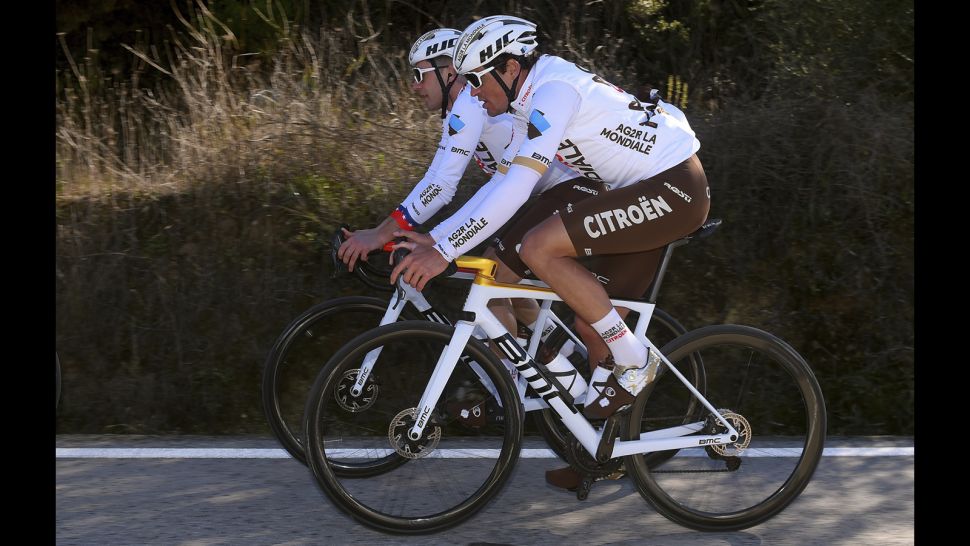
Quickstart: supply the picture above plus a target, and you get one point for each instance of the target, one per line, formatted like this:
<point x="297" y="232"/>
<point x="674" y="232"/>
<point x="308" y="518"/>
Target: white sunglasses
<point x="420" y="72"/>
<point x="475" y="78"/>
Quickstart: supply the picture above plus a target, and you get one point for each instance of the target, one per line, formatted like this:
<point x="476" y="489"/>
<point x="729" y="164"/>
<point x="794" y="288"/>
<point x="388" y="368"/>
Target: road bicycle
<point x="306" y="344"/>
<point x="733" y="394"/>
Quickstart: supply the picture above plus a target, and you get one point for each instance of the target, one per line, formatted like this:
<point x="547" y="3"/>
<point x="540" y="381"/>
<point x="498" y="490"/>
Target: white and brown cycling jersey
<point x="467" y="133"/>
<point x="596" y="129"/>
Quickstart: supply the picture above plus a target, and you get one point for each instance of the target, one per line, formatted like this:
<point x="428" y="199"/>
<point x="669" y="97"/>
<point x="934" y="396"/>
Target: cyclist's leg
<point x="627" y="275"/>
<point x="623" y="276"/>
<point x="636" y="218"/>
<point x="505" y="245"/>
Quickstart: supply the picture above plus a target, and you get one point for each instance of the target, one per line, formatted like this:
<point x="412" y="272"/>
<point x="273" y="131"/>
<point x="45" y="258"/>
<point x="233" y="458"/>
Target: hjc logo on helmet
<point x="503" y="41"/>
<point x="442" y="46"/>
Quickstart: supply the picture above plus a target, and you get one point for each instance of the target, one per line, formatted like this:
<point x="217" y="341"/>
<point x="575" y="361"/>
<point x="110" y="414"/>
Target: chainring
<point x="584" y="463"/>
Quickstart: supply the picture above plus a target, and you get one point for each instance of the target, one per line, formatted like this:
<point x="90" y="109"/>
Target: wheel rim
<point x="783" y="418"/>
<point x="465" y="466"/>
<point x="302" y="351"/>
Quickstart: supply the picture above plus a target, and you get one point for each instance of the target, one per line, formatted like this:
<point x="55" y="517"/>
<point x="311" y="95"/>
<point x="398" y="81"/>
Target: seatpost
<point x="662" y="268"/>
<point x="700" y="233"/>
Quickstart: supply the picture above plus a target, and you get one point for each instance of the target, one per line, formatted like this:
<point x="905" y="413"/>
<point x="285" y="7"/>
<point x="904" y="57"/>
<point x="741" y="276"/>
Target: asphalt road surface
<point x="857" y="496"/>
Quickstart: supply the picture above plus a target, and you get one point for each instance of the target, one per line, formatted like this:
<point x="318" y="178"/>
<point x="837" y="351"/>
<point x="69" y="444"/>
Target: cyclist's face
<point x="428" y="88"/>
<point x="491" y="93"/>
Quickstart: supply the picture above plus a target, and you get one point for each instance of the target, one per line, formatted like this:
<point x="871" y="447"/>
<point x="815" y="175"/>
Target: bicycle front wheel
<point x="300" y="353"/>
<point x="467" y="450"/>
<point x="771" y="397"/>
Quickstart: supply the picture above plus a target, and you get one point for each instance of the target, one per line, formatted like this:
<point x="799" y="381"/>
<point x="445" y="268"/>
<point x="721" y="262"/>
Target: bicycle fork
<point x="399" y="299"/>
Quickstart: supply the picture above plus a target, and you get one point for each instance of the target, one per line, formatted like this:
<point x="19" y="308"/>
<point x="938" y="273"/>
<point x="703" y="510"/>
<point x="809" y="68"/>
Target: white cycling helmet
<point x="434" y="43"/>
<point x="487" y="38"/>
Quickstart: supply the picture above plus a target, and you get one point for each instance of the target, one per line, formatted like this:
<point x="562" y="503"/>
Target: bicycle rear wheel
<point x="429" y="484"/>
<point x="769" y="394"/>
<point x="666" y="405"/>
<point x="300" y="353"/>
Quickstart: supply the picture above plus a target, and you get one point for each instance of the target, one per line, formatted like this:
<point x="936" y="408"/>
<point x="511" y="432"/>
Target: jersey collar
<point x="524" y="98"/>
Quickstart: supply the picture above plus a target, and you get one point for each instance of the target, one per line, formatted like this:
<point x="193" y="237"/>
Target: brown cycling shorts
<point x="507" y="240"/>
<point x="618" y="235"/>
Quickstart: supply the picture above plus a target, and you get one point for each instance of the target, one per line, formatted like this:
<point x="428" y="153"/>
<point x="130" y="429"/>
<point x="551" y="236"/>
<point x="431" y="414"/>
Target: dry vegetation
<point x="195" y="193"/>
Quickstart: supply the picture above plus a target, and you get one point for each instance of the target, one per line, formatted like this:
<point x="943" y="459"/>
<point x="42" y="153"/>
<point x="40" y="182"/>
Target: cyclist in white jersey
<point x="642" y="151"/>
<point x="467" y="132"/>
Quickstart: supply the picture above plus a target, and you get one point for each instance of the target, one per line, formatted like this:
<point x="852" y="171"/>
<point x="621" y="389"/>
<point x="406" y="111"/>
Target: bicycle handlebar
<point x="371" y="275"/>
<point x="450" y="270"/>
<point x="377" y="277"/>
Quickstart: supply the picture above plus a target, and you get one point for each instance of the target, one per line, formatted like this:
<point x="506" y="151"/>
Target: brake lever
<point x="397" y="255"/>
<point x="400" y="253"/>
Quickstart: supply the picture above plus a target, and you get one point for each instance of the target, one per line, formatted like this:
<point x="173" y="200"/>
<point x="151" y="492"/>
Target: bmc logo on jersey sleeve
<point x="537" y="124"/>
<point x="455" y="125"/>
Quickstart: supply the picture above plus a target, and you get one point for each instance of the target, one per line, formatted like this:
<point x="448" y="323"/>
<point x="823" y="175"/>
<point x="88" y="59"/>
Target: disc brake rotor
<point x="351" y="403"/>
<point x="397" y="433"/>
<point x="741" y="425"/>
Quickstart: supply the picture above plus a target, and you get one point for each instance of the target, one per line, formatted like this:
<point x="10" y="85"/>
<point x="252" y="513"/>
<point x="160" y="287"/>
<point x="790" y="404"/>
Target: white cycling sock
<point x="597" y="382"/>
<point x="626" y="348"/>
<point x="567" y="374"/>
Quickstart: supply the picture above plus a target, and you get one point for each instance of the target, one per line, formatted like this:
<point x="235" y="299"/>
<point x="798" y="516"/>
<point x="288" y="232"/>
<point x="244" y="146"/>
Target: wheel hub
<point x="400" y="440"/>
<point x="351" y="403"/>
<point x="741" y="425"/>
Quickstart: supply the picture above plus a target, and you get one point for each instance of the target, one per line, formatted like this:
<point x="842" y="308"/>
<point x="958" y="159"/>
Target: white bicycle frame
<point x="545" y="320"/>
<point x="485" y="288"/>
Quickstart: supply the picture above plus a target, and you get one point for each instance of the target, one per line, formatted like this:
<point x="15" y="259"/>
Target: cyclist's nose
<point x="476" y="91"/>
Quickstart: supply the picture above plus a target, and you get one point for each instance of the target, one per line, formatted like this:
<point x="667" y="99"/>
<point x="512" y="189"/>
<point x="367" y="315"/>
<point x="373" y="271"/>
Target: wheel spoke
<point x="775" y="403"/>
<point x="394" y="482"/>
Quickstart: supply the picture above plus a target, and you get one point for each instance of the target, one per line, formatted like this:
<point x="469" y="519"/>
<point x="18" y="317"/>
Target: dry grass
<point x="194" y="194"/>
<point x="218" y="114"/>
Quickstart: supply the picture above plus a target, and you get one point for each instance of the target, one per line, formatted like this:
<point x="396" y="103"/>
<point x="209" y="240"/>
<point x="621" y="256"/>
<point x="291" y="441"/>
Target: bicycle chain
<point x="732" y="464"/>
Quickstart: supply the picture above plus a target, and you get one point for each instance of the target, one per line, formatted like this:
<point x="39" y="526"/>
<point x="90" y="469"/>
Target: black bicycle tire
<point x="551" y="429"/>
<point x="803" y="471"/>
<point x="269" y="396"/>
<point x="323" y="471"/>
